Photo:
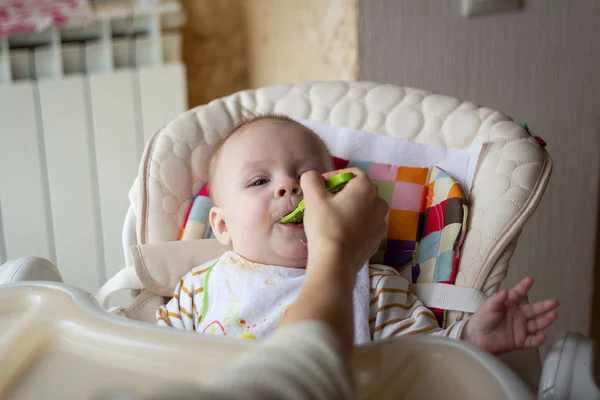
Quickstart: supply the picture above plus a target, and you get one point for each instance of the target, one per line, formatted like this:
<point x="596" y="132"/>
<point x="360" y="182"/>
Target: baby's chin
<point x="294" y="256"/>
<point x="289" y="254"/>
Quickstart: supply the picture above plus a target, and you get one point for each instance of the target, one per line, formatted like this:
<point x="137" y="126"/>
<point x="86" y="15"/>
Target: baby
<point x="254" y="177"/>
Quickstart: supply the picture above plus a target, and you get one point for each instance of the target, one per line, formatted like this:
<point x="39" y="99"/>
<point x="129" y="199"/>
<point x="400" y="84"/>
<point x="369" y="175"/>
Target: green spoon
<point x="333" y="185"/>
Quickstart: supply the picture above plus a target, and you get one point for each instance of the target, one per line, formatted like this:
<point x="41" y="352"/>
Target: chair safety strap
<point x="449" y="297"/>
<point x="124" y="279"/>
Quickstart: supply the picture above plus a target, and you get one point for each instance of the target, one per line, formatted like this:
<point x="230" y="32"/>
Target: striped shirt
<point x="393" y="309"/>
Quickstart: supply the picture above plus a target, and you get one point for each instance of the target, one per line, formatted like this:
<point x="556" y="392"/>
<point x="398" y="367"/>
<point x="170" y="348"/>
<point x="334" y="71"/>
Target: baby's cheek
<point x="252" y="216"/>
<point x="253" y="226"/>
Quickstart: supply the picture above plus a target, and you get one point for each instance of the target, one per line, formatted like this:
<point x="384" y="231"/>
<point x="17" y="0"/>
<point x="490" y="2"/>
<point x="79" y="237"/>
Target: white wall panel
<point x="74" y="116"/>
<point x="71" y="174"/>
<point x="23" y="188"/>
<point x="116" y="129"/>
<point x="163" y="95"/>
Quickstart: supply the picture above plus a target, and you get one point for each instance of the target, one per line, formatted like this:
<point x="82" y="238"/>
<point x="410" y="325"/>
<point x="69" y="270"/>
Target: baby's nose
<point x="288" y="188"/>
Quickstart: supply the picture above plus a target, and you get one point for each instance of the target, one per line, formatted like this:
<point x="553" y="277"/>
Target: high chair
<point x="510" y="179"/>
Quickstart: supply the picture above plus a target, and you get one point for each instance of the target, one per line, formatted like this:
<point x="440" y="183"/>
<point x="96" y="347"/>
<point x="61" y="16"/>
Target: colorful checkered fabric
<point x="426" y="223"/>
<point x="196" y="222"/>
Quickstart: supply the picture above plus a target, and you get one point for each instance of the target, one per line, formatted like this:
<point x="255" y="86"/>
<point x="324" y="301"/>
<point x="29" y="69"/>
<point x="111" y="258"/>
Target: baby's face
<point x="256" y="182"/>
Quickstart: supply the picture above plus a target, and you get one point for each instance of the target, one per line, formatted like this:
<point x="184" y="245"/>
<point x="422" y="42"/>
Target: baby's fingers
<point x="517" y="294"/>
<point x="497" y="301"/>
<point x="533" y="310"/>
<point x="541" y="322"/>
<point x="534" y="340"/>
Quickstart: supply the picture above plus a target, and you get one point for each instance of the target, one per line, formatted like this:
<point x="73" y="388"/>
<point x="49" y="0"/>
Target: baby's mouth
<point x="288" y="223"/>
<point x="292" y="226"/>
<point x="297" y="224"/>
<point x="293" y="221"/>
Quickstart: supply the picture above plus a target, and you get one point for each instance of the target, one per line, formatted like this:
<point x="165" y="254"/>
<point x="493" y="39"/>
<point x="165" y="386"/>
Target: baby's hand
<point x="502" y="324"/>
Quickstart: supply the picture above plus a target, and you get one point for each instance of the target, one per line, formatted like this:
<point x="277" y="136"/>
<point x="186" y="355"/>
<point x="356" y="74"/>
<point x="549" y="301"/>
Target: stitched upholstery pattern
<point x="511" y="176"/>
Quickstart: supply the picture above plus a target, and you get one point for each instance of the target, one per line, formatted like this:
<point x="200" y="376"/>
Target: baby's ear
<point x="219" y="225"/>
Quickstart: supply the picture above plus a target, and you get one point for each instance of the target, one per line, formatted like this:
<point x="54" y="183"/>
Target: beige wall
<point x="230" y="45"/>
<point x="301" y="40"/>
<point x="541" y="66"/>
<point x="214" y="49"/>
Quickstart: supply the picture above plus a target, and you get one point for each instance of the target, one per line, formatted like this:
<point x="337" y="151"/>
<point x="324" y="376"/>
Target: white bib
<point x="243" y="299"/>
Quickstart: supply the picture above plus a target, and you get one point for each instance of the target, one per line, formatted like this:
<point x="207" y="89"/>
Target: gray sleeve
<point x="298" y="362"/>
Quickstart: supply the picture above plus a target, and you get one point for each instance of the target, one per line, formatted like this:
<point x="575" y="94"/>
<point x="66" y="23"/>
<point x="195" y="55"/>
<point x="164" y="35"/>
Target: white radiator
<point x="76" y="107"/>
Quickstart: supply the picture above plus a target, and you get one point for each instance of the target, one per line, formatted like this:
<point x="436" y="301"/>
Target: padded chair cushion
<point x="425" y="225"/>
<point x="427" y="212"/>
<point x="511" y="176"/>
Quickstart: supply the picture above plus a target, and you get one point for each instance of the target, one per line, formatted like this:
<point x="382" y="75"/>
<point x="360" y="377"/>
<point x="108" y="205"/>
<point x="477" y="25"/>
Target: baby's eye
<point x="260" y="182"/>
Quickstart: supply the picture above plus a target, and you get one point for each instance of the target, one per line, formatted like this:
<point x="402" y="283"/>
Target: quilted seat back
<point x="511" y="177"/>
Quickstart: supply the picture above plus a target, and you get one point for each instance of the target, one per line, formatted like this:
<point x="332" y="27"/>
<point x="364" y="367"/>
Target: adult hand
<point x="342" y="231"/>
<point x="350" y="222"/>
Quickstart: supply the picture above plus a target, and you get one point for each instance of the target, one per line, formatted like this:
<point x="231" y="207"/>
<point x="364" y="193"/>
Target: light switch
<point x="470" y="8"/>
